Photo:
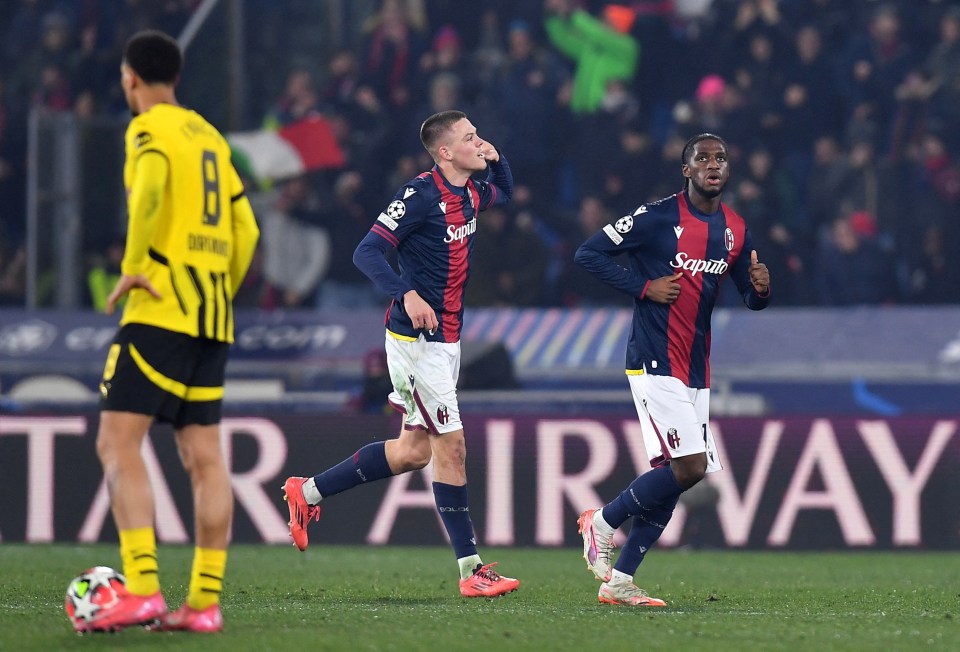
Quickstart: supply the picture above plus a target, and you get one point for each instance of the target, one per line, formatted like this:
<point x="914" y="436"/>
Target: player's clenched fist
<point x="665" y="289"/>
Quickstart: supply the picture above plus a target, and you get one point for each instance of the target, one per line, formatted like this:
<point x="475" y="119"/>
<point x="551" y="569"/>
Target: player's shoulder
<point x="154" y="126"/>
<point x="194" y="122"/>
<point x="653" y="210"/>
<point x="418" y="190"/>
<point x="423" y="182"/>
<point x="143" y="131"/>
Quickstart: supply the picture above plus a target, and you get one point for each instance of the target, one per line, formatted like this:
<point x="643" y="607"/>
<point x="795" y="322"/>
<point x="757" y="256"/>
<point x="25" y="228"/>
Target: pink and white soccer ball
<point x="94" y="589"/>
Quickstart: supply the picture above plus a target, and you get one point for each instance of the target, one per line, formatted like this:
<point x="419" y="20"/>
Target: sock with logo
<point x="647" y="527"/>
<point x="366" y="465"/>
<point x="455" y="514"/>
<point x="653" y="489"/>
<point x="206" y="577"/>
<point x="138" y="550"/>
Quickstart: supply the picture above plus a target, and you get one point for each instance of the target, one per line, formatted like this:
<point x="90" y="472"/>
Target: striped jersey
<point x="432" y="224"/>
<point x="198" y="231"/>
<point x="660" y="239"/>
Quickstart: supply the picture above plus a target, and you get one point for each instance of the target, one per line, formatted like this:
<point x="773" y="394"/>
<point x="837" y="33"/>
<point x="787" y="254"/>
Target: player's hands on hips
<point x="124" y="285"/>
<point x="665" y="289"/>
<point x="759" y="275"/>
<point x="420" y="312"/>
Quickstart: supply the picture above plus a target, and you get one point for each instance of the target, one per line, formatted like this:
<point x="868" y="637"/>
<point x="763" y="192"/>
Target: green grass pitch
<point x="392" y="598"/>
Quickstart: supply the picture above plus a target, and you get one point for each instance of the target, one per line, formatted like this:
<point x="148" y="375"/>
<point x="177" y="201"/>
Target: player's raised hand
<point x="421" y="314"/>
<point x="759" y="275"/>
<point x="124" y="285"/>
<point x="489" y="152"/>
<point x="665" y="289"/>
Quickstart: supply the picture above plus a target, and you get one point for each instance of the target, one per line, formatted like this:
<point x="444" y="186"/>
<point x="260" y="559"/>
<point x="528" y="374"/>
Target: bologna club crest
<point x="728" y="239"/>
<point x="443" y="414"/>
<point x="673" y="439"/>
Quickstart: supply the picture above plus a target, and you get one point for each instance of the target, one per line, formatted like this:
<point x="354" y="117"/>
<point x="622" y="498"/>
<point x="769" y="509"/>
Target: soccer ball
<point x="94" y="589"/>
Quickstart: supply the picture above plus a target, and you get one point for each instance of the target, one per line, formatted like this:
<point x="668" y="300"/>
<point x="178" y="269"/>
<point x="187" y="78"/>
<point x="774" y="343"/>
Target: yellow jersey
<point x="191" y="230"/>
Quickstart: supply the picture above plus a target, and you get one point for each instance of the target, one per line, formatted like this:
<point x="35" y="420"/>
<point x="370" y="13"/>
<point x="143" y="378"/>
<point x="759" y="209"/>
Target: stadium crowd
<point x="843" y="117"/>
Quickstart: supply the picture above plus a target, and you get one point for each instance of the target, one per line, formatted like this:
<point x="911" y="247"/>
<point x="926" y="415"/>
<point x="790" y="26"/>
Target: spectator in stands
<point x="376" y="386"/>
<point x="530" y="208"/>
<point x="632" y="168"/>
<point x="827" y="178"/>
<point x="45" y="74"/>
<point x="756" y="15"/>
<point x="104" y="275"/>
<point x="92" y="65"/>
<point x="760" y="76"/>
<point x="296" y="246"/>
<point x="807" y="104"/>
<point x="24" y="30"/>
<point x="599" y="136"/>
<point x="509" y="262"/>
<point x="490" y="54"/>
<point x="872" y="185"/>
<point x="602" y="49"/>
<point x="710" y="111"/>
<point x="931" y="92"/>
<point x="852" y="266"/>
<point x="394" y="43"/>
<point x="368" y="133"/>
<point x="936" y="277"/>
<point x="765" y="196"/>
<point x="934" y="230"/>
<point x="299" y="99"/>
<point x="577" y="286"/>
<point x="526" y="93"/>
<point x="345" y="287"/>
<point x="874" y="65"/>
<point x="343" y="81"/>
<point x="446" y="57"/>
<point x="833" y="19"/>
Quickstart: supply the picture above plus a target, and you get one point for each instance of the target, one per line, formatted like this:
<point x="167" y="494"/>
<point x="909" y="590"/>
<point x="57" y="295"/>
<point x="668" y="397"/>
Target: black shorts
<point x="176" y="378"/>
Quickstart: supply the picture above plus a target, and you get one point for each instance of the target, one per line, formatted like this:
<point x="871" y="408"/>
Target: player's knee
<point x="414" y="458"/>
<point x="689" y="470"/>
<point x="105" y="449"/>
<point x="454" y="454"/>
<point x="111" y="449"/>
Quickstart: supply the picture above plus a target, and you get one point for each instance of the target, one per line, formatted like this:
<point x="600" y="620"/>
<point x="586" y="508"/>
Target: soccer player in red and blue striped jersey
<point x="678" y="249"/>
<point x="431" y="221"/>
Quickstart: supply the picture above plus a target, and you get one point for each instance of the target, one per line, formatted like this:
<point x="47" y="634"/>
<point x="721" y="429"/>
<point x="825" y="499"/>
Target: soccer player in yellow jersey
<point x="190" y="240"/>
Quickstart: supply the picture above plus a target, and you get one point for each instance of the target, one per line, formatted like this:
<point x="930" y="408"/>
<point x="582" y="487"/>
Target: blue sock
<point x="366" y="465"/>
<point x="654" y="489"/>
<point x="455" y="514"/>
<point x="647" y="527"/>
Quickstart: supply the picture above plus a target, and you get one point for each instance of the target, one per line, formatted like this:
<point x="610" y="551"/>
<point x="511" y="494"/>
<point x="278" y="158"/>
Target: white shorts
<point x="674" y="419"/>
<point x="424" y="376"/>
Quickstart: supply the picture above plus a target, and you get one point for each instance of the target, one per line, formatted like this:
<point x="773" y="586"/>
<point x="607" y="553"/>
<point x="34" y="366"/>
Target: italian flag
<point x="290" y="151"/>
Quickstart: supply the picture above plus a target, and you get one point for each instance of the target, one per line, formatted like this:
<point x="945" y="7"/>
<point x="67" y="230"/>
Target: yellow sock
<point x="138" y="550"/>
<point x="206" y="578"/>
